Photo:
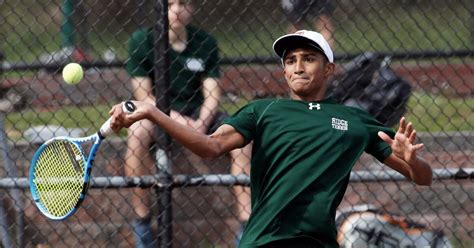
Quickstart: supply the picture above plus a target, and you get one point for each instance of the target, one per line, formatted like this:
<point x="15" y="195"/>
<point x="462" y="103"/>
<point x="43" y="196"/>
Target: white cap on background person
<point x="311" y="38"/>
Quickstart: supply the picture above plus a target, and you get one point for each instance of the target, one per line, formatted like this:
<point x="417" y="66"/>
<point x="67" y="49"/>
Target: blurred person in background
<point x="317" y="13"/>
<point x="194" y="98"/>
<point x="73" y="32"/>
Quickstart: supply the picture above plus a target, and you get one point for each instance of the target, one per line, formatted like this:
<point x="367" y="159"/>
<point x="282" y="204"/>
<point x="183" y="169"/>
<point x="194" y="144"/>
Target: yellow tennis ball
<point x="72" y="73"/>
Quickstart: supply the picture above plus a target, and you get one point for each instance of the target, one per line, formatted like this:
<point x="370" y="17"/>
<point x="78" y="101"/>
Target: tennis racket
<point x="60" y="171"/>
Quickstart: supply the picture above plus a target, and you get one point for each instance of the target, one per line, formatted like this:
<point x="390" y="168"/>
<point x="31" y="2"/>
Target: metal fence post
<point x="4" y="233"/>
<point x="161" y="73"/>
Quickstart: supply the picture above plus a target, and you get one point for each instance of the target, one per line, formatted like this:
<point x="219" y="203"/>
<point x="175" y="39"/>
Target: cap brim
<point x="286" y="42"/>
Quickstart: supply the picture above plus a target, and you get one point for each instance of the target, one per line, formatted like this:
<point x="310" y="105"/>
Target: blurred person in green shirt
<point x="194" y="100"/>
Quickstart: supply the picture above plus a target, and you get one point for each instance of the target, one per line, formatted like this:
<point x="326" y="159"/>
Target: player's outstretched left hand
<point x="403" y="144"/>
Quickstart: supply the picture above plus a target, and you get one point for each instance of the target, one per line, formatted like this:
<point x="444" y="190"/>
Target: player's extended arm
<point x="223" y="140"/>
<point x="404" y="158"/>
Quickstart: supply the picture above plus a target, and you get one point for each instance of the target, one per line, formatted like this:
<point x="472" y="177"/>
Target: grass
<point x="406" y="29"/>
<point x="69" y="117"/>
<point x="384" y="30"/>
<point x="457" y="243"/>
<point x="429" y="113"/>
<point x="439" y="113"/>
<point x="88" y="118"/>
<point x="382" y="27"/>
<point x="375" y="27"/>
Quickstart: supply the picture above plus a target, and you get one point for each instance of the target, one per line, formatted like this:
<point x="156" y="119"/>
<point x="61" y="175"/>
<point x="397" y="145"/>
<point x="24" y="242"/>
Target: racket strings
<point x="60" y="177"/>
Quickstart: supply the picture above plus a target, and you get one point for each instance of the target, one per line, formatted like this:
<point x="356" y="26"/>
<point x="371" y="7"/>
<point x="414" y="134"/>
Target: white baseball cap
<point x="314" y="39"/>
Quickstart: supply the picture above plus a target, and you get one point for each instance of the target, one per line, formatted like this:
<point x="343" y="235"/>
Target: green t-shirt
<point x="187" y="69"/>
<point x="302" y="156"/>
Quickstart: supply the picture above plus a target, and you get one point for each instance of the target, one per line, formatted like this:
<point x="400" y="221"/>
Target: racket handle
<point x="105" y="130"/>
<point x="128" y="107"/>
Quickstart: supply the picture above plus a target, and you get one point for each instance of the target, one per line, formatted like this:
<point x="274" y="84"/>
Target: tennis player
<point x="303" y="148"/>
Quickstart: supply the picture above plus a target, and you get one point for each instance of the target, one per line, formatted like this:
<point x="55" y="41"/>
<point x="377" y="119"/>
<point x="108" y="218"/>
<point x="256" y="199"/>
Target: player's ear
<point x="284" y="74"/>
<point x="329" y="69"/>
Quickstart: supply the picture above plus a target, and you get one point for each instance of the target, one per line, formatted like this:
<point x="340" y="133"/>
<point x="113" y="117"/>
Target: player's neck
<point x="309" y="98"/>
<point x="178" y="39"/>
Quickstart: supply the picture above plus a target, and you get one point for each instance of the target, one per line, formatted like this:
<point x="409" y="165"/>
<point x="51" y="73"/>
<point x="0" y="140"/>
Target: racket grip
<point x="128" y="107"/>
<point x="105" y="130"/>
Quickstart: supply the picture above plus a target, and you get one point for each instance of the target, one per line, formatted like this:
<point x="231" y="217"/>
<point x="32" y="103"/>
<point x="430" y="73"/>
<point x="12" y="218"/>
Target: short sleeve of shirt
<point x="138" y="64"/>
<point x="377" y="147"/>
<point x="244" y="121"/>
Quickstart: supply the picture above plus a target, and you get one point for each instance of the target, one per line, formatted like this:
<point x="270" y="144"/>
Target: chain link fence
<point x="426" y="45"/>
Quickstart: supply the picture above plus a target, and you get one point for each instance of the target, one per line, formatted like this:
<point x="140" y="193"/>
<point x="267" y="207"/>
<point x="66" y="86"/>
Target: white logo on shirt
<point x="195" y="64"/>
<point x="311" y="106"/>
<point x="339" y="124"/>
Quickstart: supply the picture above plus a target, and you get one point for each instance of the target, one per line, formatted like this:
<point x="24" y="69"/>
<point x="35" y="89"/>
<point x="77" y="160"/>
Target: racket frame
<point x="77" y="142"/>
<point x="97" y="138"/>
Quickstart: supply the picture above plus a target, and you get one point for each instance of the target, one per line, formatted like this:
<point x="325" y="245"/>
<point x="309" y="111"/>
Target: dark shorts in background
<point x="302" y="242"/>
<point x="297" y="10"/>
<point x="217" y="122"/>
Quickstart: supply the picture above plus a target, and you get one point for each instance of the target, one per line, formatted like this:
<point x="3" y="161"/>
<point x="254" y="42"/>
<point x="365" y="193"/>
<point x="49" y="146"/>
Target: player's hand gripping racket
<point x="60" y="171"/>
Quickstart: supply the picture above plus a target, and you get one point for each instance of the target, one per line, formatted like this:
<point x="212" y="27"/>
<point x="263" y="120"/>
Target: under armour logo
<point x="311" y="106"/>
